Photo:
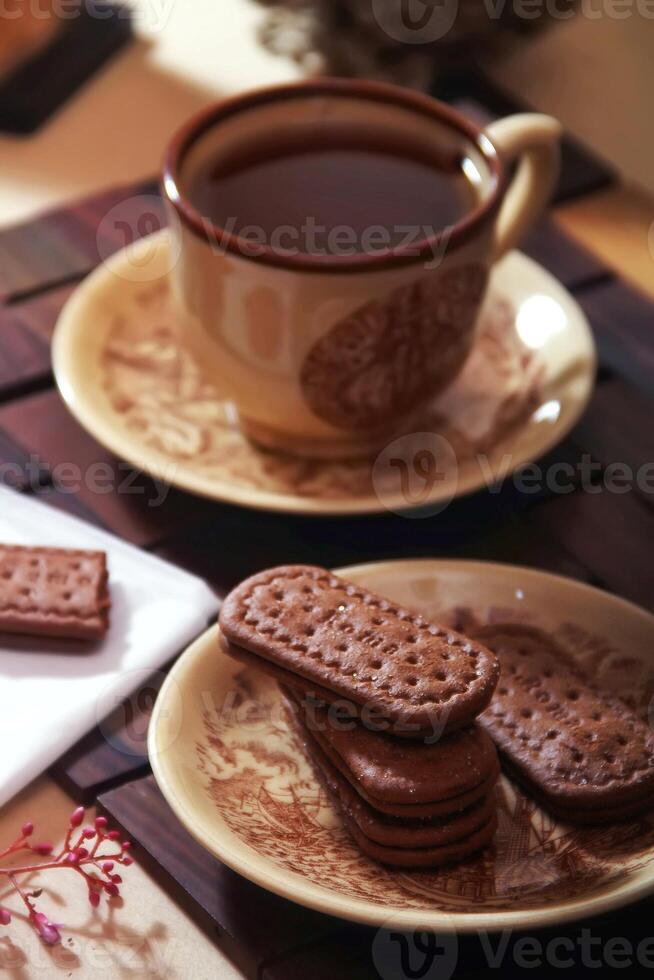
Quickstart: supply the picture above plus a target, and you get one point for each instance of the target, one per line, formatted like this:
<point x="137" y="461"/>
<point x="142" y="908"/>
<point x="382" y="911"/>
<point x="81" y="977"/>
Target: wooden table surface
<point x="154" y="934"/>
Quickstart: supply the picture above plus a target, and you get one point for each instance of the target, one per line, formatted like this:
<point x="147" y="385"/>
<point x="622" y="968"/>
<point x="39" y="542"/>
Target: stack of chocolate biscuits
<point x="385" y="703"/>
<point x="405" y="802"/>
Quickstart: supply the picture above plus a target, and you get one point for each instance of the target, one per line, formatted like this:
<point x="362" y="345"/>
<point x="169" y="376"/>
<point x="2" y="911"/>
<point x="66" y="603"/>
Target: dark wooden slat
<point x="24" y="360"/>
<point x="25" y="332"/>
<point x="519" y="542"/>
<point x="67" y="502"/>
<point x="136" y="508"/>
<point x="615" y="431"/>
<point x="17" y="470"/>
<point x="623" y="324"/>
<point x="610" y="534"/>
<point x="94" y="766"/>
<point x="568" y="262"/>
<point x="66" y="244"/>
<point x="38" y="314"/>
<point x="237" y="542"/>
<point x="255" y="925"/>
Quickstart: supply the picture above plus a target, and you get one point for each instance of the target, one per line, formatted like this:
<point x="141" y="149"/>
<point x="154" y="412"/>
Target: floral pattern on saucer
<point x="156" y="390"/>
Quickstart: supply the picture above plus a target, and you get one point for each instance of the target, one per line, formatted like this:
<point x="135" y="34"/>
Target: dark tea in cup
<point x="333" y="191"/>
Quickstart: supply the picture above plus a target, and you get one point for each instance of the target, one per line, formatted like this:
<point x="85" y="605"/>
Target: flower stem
<point x="30" y="907"/>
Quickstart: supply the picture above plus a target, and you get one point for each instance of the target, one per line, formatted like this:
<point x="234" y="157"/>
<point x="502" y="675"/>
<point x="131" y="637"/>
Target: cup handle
<point x="533" y="140"/>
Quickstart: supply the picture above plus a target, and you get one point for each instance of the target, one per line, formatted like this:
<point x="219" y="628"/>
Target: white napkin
<point x="50" y="697"/>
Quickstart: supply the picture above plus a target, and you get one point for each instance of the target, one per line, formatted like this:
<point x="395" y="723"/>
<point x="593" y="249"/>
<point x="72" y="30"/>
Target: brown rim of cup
<point x="459" y="233"/>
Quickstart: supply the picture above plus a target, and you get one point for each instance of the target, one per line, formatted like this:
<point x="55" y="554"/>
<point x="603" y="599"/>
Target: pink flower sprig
<point x="82" y="852"/>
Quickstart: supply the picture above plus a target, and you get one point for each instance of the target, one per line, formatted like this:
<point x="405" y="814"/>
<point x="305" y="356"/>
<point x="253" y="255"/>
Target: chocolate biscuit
<point x="385" y="770"/>
<point x="53" y="592"/>
<point x="406" y="811"/>
<point x="590" y="816"/>
<point x="582" y="753"/>
<point x="394" y="831"/>
<point x="306" y="625"/>
<point x="424" y="857"/>
<point x="446" y="807"/>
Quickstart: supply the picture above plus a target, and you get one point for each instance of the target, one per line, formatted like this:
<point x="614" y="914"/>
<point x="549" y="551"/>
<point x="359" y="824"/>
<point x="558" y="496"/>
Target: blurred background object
<point x="24" y="33"/>
<point x="48" y="49"/>
<point x="406" y="41"/>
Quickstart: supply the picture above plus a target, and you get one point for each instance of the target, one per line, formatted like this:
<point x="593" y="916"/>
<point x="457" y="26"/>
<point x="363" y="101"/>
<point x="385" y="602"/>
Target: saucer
<point x="236" y="776"/>
<point x="127" y="375"/>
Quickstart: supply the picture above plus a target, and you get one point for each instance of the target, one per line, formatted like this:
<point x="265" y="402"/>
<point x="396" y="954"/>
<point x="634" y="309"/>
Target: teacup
<point x="328" y="352"/>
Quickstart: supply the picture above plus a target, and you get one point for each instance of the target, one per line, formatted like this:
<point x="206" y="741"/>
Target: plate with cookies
<point x="441" y="745"/>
